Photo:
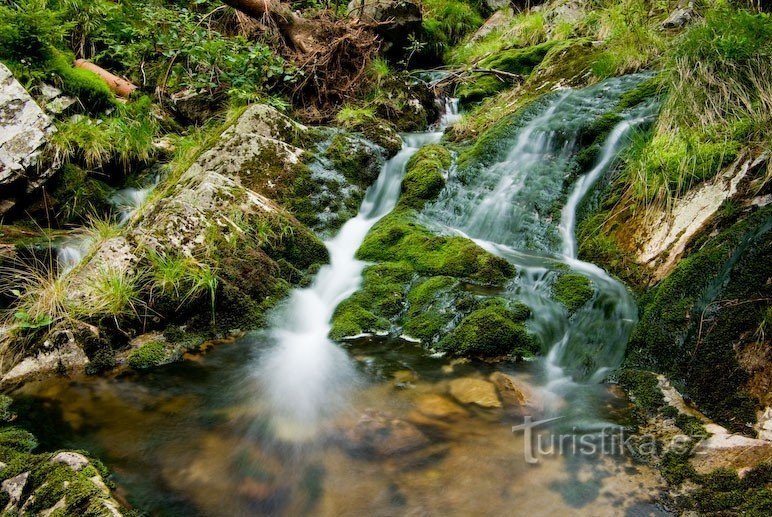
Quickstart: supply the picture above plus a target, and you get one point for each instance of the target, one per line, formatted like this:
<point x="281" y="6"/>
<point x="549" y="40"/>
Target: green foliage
<point x="148" y="355"/>
<point x="490" y="331"/>
<point x="446" y="22"/>
<point x="572" y="290"/>
<point x="29" y="28"/>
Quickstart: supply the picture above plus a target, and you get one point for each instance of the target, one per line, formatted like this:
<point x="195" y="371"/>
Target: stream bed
<point x="285" y="421"/>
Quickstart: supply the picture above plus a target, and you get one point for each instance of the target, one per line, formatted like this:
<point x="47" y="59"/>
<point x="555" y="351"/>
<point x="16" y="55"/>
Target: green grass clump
<point x="490" y="331"/>
<point x="445" y="23"/>
<point x="572" y="290"/>
<point x="148" y="355"/>
<point x="425" y="176"/>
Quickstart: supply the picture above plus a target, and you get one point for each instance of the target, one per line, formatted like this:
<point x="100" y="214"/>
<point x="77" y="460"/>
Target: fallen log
<point x="117" y="85"/>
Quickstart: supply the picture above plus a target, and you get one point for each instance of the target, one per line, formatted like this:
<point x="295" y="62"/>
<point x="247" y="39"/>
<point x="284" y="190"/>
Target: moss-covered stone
<point x="730" y="265"/>
<point x="490" y="331"/>
<point x="148" y="355"/>
<point x="643" y="388"/>
<point x="398" y="237"/>
<point x="572" y="290"/>
<point x="83" y="84"/>
<point x="424" y="176"/>
<point x="353" y="158"/>
<point x="519" y="61"/>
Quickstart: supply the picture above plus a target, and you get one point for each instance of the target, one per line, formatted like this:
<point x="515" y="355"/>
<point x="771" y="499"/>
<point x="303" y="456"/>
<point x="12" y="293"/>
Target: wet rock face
<point x="24" y="131"/>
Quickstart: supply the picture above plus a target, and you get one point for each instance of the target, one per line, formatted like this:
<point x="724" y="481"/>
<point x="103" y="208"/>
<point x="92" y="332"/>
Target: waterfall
<point x="506" y="207"/>
<point x="304" y="375"/>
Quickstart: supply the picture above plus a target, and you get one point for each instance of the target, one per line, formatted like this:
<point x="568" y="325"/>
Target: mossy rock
<point x="149" y="355"/>
<point x="643" y="388"/>
<point x="381" y="298"/>
<point x="491" y="331"/>
<point x="519" y="61"/>
<point x="353" y="158"/>
<point x="572" y="290"/>
<point x="398" y="237"/>
<point x="729" y="265"/>
<point x="425" y="176"/>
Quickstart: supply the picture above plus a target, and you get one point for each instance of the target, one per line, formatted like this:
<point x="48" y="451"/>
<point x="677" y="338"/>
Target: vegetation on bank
<point x="50" y="481"/>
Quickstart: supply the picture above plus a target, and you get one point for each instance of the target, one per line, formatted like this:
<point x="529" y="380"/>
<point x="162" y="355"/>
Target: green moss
<point x="691" y="426"/>
<point x="17" y="439"/>
<point x="84" y="84"/>
<point x="425" y="176"/>
<point x="424" y="293"/>
<point x="729" y="265"/>
<point x="148" y="355"/>
<point x="491" y="331"/>
<point x="519" y="61"/>
<point x="398" y="237"/>
<point x="351" y="319"/>
<point x="6" y="414"/>
<point x="352" y="158"/>
<point x="572" y="290"/>
<point x="675" y="468"/>
<point x="644" y="91"/>
<point x="643" y="388"/>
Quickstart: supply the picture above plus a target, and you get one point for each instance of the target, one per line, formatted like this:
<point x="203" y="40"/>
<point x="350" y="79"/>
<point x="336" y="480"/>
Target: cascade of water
<point x="304" y="375"/>
<point x="126" y="201"/>
<point x="506" y="208"/>
<point x="71" y="250"/>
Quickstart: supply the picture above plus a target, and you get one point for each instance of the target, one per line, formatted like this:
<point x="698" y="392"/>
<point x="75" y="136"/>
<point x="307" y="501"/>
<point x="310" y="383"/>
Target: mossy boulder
<point x="727" y="265"/>
<point x="490" y="331"/>
<point x="572" y="290"/>
<point x="375" y="129"/>
<point x="399" y="237"/>
<point x="424" y="176"/>
<point x="381" y="298"/>
<point x="355" y="158"/>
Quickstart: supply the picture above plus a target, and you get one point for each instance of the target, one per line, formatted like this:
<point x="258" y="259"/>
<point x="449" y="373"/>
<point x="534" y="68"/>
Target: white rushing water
<point x="71" y="250"/>
<point x="304" y="375"/>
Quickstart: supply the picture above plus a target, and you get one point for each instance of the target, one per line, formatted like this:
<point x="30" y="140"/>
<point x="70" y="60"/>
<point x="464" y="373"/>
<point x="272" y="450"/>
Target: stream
<point x="266" y="424"/>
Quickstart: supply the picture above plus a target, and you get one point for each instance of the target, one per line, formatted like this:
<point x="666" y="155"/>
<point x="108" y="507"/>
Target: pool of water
<point x="195" y="439"/>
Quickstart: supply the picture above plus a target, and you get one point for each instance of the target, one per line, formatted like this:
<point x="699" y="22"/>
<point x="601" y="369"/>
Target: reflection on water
<point x="181" y="443"/>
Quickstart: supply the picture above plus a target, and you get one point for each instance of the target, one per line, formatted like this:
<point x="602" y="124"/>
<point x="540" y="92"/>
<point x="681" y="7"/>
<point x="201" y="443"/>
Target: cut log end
<point x="117" y="85"/>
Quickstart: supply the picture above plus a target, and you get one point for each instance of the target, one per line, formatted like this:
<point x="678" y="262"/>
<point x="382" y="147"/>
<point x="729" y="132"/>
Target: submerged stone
<point x="468" y="390"/>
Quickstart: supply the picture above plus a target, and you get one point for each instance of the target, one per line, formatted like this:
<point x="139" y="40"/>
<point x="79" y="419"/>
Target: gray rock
<point x="67" y="356"/>
<point x="74" y="460"/>
<point x="398" y="18"/>
<point x="682" y="16"/>
<point x="54" y="100"/>
<point x="14" y="487"/>
<point x="24" y="131"/>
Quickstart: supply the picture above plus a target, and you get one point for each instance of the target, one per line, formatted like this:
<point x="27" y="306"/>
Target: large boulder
<point x="397" y="19"/>
<point x="24" y="131"/>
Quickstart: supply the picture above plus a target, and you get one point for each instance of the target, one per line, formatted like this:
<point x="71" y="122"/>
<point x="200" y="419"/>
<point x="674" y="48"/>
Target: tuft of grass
<point x="113" y="292"/>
